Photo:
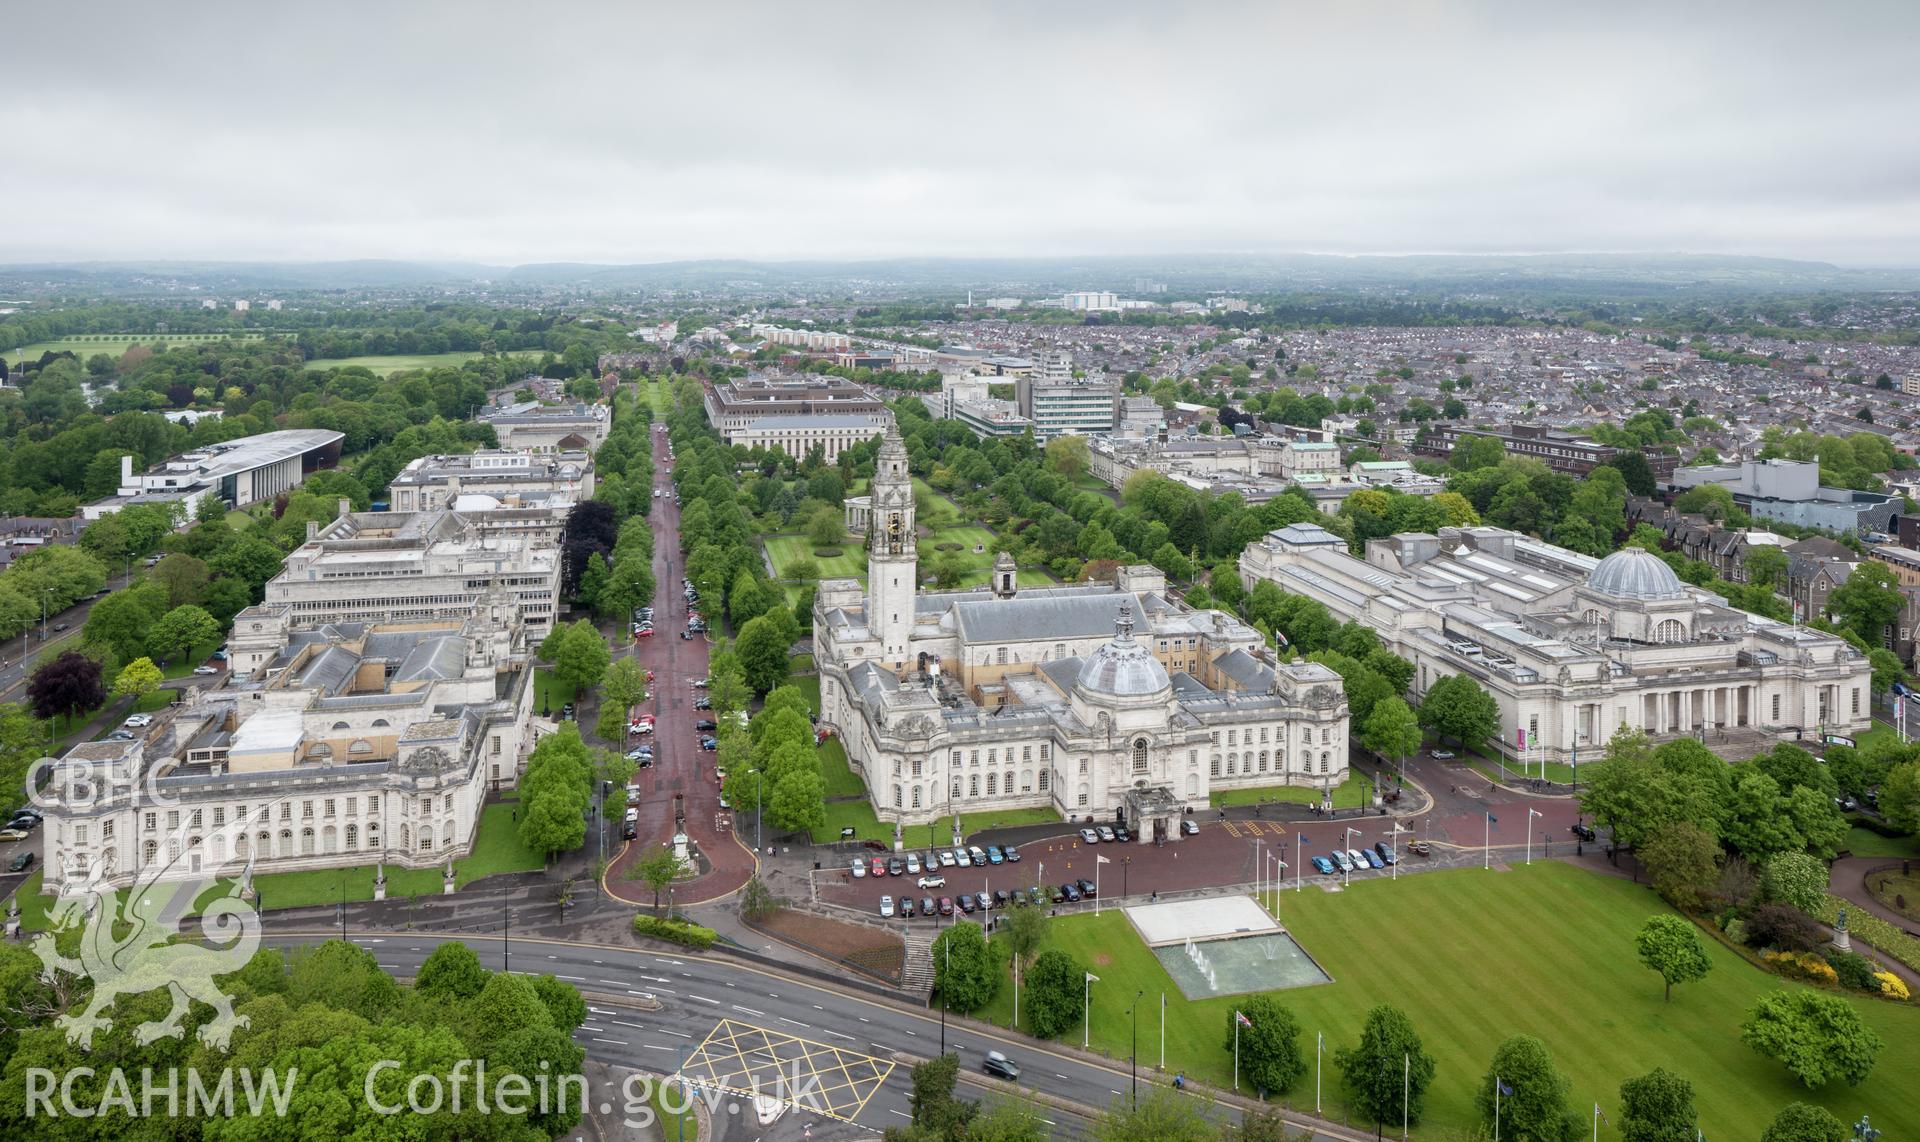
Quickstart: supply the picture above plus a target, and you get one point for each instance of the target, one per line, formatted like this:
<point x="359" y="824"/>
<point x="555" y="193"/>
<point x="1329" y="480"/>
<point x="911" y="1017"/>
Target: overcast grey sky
<point x="649" y="132"/>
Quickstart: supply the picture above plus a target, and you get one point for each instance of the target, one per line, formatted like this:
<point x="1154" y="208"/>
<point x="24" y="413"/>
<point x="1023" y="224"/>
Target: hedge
<point x="675" y="931"/>
<point x="1873" y="930"/>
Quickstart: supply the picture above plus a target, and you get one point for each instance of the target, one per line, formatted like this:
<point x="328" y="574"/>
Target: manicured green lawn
<point x="496" y="849"/>
<point x="1867" y="843"/>
<point x="809" y="685"/>
<point x="661" y="398"/>
<point x="940" y="511"/>
<point x="971" y="823"/>
<point x="1474" y="957"/>
<point x="855" y="814"/>
<point x="393" y="363"/>
<point x="840" y="777"/>
<point x="239" y="519"/>
<point x="550" y="693"/>
<point x="1354" y="791"/>
<point x="787" y="550"/>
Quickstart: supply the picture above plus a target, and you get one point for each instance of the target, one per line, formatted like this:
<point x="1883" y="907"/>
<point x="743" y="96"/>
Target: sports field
<point x="387" y="365"/>
<point x="85" y="345"/>
<point x="1474" y="957"/>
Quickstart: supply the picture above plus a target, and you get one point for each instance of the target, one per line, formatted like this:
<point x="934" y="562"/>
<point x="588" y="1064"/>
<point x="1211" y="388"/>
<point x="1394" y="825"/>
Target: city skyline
<point x="624" y="136"/>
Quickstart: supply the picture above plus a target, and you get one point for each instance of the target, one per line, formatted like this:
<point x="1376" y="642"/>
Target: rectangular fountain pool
<point x="1206" y="968"/>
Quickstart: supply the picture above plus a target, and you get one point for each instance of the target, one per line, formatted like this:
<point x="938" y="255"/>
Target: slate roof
<point x="1023" y="618"/>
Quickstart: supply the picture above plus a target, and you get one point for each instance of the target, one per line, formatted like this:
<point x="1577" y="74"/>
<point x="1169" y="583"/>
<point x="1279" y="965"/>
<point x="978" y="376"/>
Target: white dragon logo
<point x="141" y="958"/>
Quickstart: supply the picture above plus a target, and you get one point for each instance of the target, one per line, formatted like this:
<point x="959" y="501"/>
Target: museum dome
<point x="1635" y="573"/>
<point x="1124" y="668"/>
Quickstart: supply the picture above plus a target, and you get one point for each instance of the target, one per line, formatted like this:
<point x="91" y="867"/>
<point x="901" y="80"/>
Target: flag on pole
<point x="1493" y="818"/>
<point x="1601" y="1114"/>
<point x="1101" y="860"/>
<point x="1504" y="1088"/>
<point x="1241" y="1019"/>
<point x="1091" y="978"/>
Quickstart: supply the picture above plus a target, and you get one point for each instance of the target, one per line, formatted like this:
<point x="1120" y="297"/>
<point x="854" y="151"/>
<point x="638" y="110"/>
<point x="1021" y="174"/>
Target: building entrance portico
<point x="1152" y="812"/>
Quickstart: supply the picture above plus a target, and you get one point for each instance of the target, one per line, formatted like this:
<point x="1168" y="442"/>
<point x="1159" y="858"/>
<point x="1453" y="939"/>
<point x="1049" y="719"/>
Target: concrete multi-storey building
<point x="494" y="478"/>
<point x="1564" y="452"/>
<point x="1068" y="407"/>
<point x="1790" y="491"/>
<point x="348" y="745"/>
<point x="795" y="415"/>
<point x="962" y="701"/>
<point x="397" y="567"/>
<point x="248" y="470"/>
<point x="1572" y="648"/>
<point x="535" y="427"/>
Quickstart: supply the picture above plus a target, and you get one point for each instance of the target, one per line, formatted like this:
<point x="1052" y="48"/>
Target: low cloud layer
<point x="640" y="132"/>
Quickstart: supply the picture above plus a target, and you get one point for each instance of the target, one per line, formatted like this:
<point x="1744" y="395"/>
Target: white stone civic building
<point x="351" y="744"/>
<point x="1103" y="701"/>
<point x="1573" y="648"/>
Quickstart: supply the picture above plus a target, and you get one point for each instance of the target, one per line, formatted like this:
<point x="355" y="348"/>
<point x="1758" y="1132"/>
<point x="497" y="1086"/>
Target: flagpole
<point x="1531" y="814"/>
<point x="1406" y="1093"/>
<point x="1236" y="1050"/>
<point x="1319" y="1042"/>
<point x="1596" y="1122"/>
<point x="1496" y="1108"/>
<point x="1097" y="862"/>
<point x="1163" y="1030"/>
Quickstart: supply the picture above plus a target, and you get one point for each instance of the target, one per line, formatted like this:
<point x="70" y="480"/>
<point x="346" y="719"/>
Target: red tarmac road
<point x="680" y="769"/>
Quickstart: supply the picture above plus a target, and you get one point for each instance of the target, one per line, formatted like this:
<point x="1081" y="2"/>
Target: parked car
<point x="877" y="866"/>
<point x="978" y="854"/>
<point x="1443" y="755"/>
<point x="566" y="712"/>
<point x="629" y="830"/>
<point x="22" y="862"/>
<point x="1373" y="858"/>
<point x="1385" y="851"/>
<point x="1011" y="853"/>
<point x="709" y="745"/>
<point x="1583" y="832"/>
<point x="1037" y="894"/>
<point x="1420" y="848"/>
<point x="926" y="906"/>
<point x="1070" y="892"/>
<point x="13" y="834"/>
<point x="994" y="855"/>
<point x="121" y="736"/>
<point x="643" y="632"/>
<point x="139" y="721"/>
<point x="886" y="907"/>
<point x="1089" y="836"/>
<point x="1106" y="833"/>
<point x="946" y="906"/>
<point x="1121" y="834"/>
<point x="906" y="907"/>
<point x="896" y="866"/>
<point x="703" y="703"/>
<point x="1341" y="859"/>
<point x="1057" y="893"/>
<point x="857" y="867"/>
<point x="1359" y="862"/>
<point x="961" y="858"/>
<point x="1000" y="1067"/>
<point x="999" y="898"/>
<point x="966" y="903"/>
<point x="1189" y="827"/>
<point x="706" y="724"/>
<point x="1087" y="888"/>
<point x="913" y="865"/>
<point x="1323" y="866"/>
<point x="206" y="670"/>
<point x="947" y="859"/>
<point x="928" y="881"/>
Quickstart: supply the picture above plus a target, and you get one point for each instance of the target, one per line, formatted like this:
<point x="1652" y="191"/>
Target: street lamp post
<point x="759" y="809"/>
<point x="1531" y="814"/>
<point x="1133" y="1051"/>
<point x="1086" y="1009"/>
<point x="1126" y="867"/>
<point x="1349" y="841"/>
<point x="1394" y="842"/>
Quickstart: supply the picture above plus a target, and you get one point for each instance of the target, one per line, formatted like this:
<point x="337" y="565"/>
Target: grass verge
<point x="1351" y="793"/>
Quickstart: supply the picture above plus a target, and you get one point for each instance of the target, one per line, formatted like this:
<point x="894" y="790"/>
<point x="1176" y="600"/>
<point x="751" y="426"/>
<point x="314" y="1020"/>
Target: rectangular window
<point x="1776" y="707"/>
<point x="916" y="767"/>
<point x="1193" y="759"/>
<point x="1214" y="769"/>
<point x="993" y="757"/>
<point x="1000" y="655"/>
<point x="1046" y="751"/>
<point x="196" y="818"/>
<point x="373" y="806"/>
<point x="1026" y="753"/>
<point x="79" y="834"/>
<point x="1083" y="767"/>
<point x="326" y="807"/>
<point x="1856" y="701"/>
<point x="106" y="829"/>
<point x="173" y="819"/>
<point x="496" y="745"/>
<point x="1081" y="800"/>
<point x="220" y="817"/>
<point x="955" y="759"/>
<point x="1230" y="737"/>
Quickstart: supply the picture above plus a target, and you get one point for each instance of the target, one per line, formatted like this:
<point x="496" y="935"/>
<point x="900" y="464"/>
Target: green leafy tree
<point x="1817" y="1037"/>
<point x="1900" y="796"/>
<point x="622" y="687"/>
<point x="1804" y="1122"/>
<point x="137" y="679"/>
<point x="1766" y="567"/>
<point x="797" y="801"/>
<point x="122" y="622"/>
<point x="1657" y="1107"/>
<point x="563" y="1002"/>
<point x="1799" y="879"/>
<point x="1270" y="1056"/>
<point x="1056" y="999"/>
<point x="582" y="657"/>
<point x="1867" y="601"/>
<point x="1161" y="1114"/>
<point x="1388" y="1072"/>
<point x="657" y="871"/>
<point x="826" y="527"/>
<point x="762" y="649"/>
<point x="1683" y="862"/>
<point x="451" y="971"/>
<point x="1669" y="945"/>
<point x="1025" y="931"/>
<point x="1532" y="1092"/>
<point x="182" y="630"/>
<point x="1456" y="707"/>
<point x="1392" y="730"/>
<point x="964" y="972"/>
<point x="935" y="1112"/>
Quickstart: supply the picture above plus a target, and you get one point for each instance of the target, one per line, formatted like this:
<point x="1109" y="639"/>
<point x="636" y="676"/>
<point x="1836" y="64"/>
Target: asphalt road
<point x="725" y="1020"/>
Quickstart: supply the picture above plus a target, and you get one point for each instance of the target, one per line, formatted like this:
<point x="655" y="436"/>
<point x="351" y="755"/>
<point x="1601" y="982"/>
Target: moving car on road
<point x="1000" y="1067"/>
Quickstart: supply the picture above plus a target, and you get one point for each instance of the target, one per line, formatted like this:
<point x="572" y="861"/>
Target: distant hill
<point x="1572" y="273"/>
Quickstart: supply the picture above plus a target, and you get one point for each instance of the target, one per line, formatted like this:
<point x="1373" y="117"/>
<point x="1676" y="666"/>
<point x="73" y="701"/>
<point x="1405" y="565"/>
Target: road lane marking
<point x="623" y="1043"/>
<point x="704" y="999"/>
<point x="750" y="1011"/>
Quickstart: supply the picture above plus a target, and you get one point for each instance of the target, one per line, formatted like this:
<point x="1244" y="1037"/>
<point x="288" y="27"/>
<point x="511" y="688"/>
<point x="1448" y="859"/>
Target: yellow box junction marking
<point x="747" y="1060"/>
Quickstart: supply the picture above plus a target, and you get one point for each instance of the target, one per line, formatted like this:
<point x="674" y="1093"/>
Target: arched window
<point x="426" y="839"/>
<point x="1045" y="776"/>
<point x="1193" y="785"/>
<point x="353" y="837"/>
<point x="1140" y="755"/>
<point x="973" y="785"/>
<point x="993" y="785"/>
<point x="328" y="839"/>
<point x="320" y="749"/>
<point x="1280" y="760"/>
<point x="1026" y="781"/>
<point x="1672" y="630"/>
<point x="916" y="797"/>
<point x="240" y="845"/>
<point x="1263" y="761"/>
<point x="896" y="797"/>
<point x="360" y="745"/>
<point x="1323" y="761"/>
<point x="956" y="789"/>
<point x="286" y="843"/>
<point x="341" y="726"/>
<point x="406" y="837"/>
<point x="381" y="722"/>
<point x="1233" y="764"/>
<point x="149" y="851"/>
<point x="306" y="842"/>
<point x="263" y="848"/>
